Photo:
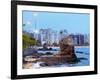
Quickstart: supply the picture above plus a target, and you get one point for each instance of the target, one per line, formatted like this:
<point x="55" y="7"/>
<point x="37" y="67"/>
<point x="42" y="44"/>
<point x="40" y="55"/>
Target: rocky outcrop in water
<point x="67" y="50"/>
<point x="45" y="46"/>
<point x="66" y="54"/>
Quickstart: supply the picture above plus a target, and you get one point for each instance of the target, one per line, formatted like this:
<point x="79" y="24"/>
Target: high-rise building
<point x="48" y="36"/>
<point x="78" y="39"/>
<point x="86" y="39"/>
<point x="62" y="34"/>
<point x="45" y="35"/>
<point x="81" y="39"/>
<point x="54" y="37"/>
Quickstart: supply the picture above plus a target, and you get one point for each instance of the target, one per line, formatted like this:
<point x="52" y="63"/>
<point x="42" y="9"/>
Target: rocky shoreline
<point x="65" y="55"/>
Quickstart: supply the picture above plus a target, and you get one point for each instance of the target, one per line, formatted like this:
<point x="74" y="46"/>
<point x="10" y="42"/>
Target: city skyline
<point x="57" y="21"/>
<point x="50" y="37"/>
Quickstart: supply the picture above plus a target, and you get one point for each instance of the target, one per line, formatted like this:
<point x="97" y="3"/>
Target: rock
<point x="43" y="64"/>
<point x="79" y="52"/>
<point x="50" y="48"/>
<point x="45" y="46"/>
<point x="49" y="53"/>
<point x="66" y="54"/>
<point x="50" y="61"/>
<point x="67" y="50"/>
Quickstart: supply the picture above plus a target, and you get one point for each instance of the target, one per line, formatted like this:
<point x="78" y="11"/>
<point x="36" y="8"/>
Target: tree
<point x="27" y="41"/>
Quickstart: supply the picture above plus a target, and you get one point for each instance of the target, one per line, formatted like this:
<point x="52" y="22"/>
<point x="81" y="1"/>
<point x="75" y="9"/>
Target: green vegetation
<point x="28" y="41"/>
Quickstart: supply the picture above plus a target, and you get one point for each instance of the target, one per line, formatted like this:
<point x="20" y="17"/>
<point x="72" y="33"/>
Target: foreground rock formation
<point x="66" y="54"/>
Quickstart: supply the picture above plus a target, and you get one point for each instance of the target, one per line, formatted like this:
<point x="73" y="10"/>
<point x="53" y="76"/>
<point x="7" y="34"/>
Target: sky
<point x="72" y="22"/>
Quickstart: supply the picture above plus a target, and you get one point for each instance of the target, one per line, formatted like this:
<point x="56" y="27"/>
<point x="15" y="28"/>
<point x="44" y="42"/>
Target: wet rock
<point x="67" y="50"/>
<point x="49" y="53"/>
<point x="45" y="46"/>
<point x="66" y="54"/>
<point x="79" y="52"/>
<point x="82" y="58"/>
<point x="43" y="64"/>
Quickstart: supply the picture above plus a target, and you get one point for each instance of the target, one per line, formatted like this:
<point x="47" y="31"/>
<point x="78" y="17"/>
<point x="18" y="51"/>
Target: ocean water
<point x="82" y="53"/>
<point x="84" y="56"/>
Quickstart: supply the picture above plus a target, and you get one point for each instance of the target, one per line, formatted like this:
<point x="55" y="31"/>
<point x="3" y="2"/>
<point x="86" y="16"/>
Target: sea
<point x="82" y="53"/>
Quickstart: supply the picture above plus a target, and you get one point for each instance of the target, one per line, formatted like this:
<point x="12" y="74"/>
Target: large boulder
<point x="65" y="55"/>
<point x="67" y="49"/>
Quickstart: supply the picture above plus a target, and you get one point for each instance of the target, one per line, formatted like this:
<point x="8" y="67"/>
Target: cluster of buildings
<point x="52" y="37"/>
<point x="80" y="39"/>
